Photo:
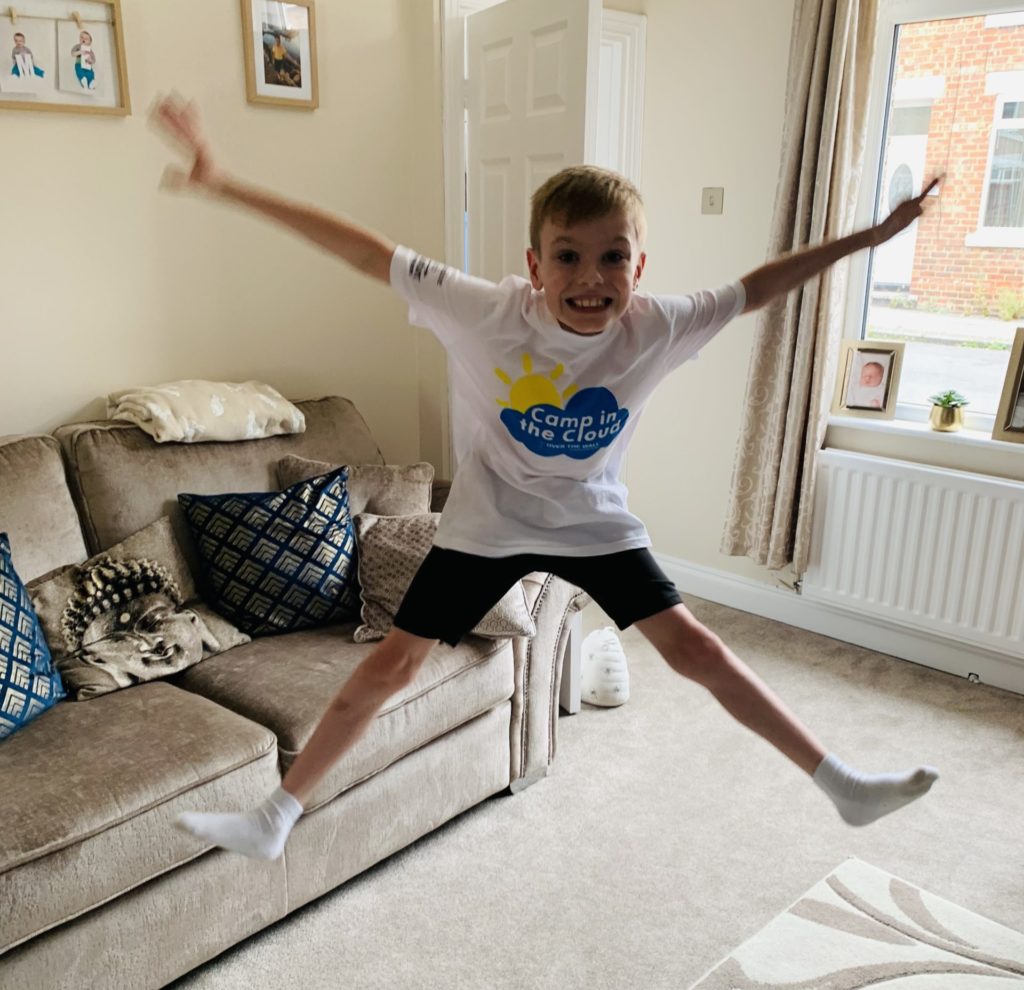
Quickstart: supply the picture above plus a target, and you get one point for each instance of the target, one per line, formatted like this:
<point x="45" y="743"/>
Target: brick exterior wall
<point x="949" y="275"/>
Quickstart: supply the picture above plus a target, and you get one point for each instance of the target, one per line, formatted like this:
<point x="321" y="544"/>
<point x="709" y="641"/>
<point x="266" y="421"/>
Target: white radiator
<point x="935" y="550"/>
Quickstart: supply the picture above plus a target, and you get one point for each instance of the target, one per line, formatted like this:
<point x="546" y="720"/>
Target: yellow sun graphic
<point x="534" y="389"/>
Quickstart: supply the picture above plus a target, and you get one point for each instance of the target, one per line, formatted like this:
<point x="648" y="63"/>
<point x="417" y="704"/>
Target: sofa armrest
<point x="439" y="494"/>
<point x="538" y="674"/>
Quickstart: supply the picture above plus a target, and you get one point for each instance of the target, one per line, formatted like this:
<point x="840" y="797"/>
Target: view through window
<point x="951" y="286"/>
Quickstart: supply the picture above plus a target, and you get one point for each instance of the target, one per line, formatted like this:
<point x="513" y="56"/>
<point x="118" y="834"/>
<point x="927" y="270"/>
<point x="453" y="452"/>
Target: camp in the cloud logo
<point x="534" y="414"/>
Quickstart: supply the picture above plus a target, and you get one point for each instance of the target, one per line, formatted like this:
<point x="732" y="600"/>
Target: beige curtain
<point x="797" y="339"/>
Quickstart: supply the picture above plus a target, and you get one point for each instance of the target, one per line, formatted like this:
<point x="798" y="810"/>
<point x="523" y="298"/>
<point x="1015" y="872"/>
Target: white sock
<point x="261" y="832"/>
<point x="861" y="798"/>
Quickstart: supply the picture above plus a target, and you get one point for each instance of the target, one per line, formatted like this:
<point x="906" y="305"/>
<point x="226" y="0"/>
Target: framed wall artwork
<point x="280" y="53"/>
<point x="63" y="55"/>
<point x="1009" y="423"/>
<point x="868" y="379"/>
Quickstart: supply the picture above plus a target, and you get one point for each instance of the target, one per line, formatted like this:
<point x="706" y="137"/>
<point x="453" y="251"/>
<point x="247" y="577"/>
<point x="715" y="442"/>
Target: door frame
<point x="453" y="47"/>
<point x="624" y="36"/>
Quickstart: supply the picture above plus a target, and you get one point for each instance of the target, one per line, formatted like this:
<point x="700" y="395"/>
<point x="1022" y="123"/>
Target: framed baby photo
<point x="1009" y="424"/>
<point x="867" y="379"/>
<point x="60" y="56"/>
<point x="280" y="53"/>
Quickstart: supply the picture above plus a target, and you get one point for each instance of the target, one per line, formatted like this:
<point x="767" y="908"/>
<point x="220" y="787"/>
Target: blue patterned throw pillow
<point x="275" y="562"/>
<point x="29" y="683"/>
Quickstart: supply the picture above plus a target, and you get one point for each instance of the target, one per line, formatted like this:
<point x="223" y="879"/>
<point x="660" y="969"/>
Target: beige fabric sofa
<point x="97" y="888"/>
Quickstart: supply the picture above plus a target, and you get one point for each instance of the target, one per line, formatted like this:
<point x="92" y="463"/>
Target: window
<point x="1005" y="192"/>
<point x="952" y="285"/>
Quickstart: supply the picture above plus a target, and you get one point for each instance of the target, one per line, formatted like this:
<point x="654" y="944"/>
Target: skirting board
<point x="788" y="607"/>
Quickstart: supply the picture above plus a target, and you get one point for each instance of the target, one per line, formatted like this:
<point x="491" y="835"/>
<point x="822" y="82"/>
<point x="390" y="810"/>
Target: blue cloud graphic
<point x="590" y="421"/>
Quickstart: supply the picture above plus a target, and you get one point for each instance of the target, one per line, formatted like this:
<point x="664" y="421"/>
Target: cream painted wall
<point x="109" y="282"/>
<point x="715" y="87"/>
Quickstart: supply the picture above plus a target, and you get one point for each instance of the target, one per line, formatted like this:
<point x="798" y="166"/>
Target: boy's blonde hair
<point x="585" y="192"/>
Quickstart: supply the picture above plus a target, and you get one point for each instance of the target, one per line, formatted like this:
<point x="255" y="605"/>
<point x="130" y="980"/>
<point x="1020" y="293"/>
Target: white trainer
<point x="604" y="676"/>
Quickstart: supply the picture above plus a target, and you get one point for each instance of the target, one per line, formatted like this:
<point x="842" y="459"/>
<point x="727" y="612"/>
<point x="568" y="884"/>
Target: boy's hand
<point x="179" y="120"/>
<point x="904" y="214"/>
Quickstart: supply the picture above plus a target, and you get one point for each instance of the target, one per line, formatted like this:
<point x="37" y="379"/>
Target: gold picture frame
<point x="68" y="57"/>
<point x="867" y="379"/>
<point x="279" y="38"/>
<point x="1009" y="423"/>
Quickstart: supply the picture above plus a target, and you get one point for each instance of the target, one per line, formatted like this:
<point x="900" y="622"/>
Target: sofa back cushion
<point x="36" y="508"/>
<point x="124" y="480"/>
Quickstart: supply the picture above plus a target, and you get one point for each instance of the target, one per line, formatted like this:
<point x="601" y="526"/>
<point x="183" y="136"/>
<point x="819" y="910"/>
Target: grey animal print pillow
<point x="128" y="615"/>
<point x="391" y="549"/>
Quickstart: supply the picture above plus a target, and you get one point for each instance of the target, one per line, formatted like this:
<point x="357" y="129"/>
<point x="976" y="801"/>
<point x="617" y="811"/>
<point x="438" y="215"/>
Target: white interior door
<point x="532" y="91"/>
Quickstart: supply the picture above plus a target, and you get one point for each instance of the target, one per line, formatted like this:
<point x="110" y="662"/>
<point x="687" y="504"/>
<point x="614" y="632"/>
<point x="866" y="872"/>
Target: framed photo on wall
<point x="867" y="379"/>
<point x="62" y="56"/>
<point x="1009" y="424"/>
<point x="280" y="52"/>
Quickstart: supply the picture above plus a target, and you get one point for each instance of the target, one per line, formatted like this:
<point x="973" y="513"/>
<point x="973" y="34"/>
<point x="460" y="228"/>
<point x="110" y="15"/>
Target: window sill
<point x="907" y="428"/>
<point x="1007" y="237"/>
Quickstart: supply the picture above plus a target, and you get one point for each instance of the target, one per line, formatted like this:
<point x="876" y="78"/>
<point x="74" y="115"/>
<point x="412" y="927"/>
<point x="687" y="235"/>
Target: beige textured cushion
<point x="195" y="411"/>
<point x="383" y="489"/>
<point x="152" y="635"/>
<point x="391" y="549"/>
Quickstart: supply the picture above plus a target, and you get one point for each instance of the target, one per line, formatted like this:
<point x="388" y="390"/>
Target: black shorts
<point x="452" y="591"/>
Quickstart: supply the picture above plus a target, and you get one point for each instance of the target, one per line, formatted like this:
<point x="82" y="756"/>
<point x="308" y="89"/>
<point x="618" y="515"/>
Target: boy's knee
<point x="697" y="653"/>
<point x="394" y="663"/>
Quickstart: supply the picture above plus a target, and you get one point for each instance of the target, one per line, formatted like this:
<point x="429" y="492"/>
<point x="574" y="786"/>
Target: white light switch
<point x="711" y="199"/>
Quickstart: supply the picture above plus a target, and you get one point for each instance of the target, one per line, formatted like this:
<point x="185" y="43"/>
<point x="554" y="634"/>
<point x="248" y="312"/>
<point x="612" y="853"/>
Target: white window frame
<point x="891" y="14"/>
<point x="1008" y="87"/>
<point x="1013" y="19"/>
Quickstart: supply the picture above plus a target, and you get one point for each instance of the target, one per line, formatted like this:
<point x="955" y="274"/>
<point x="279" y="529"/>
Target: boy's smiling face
<point x="588" y="271"/>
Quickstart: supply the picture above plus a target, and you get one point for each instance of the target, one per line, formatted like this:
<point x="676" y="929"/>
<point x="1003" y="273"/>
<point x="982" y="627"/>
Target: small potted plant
<point x="947" y="414"/>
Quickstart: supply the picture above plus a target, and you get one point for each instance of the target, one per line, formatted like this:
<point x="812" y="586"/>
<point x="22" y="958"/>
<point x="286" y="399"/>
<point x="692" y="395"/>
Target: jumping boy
<point x="538" y="487"/>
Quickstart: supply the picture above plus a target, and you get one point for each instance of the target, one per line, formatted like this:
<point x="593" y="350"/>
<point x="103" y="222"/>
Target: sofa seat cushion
<point x="91" y="791"/>
<point x="287" y="682"/>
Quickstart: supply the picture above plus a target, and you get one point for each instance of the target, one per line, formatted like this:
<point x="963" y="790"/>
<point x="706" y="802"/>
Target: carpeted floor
<point x="666" y="835"/>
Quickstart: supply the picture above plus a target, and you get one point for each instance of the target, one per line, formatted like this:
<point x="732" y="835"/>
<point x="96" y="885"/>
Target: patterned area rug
<point x="863" y="927"/>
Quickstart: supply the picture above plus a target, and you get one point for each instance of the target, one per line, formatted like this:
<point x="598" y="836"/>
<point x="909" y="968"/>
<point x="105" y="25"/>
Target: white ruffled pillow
<point x="194" y="411"/>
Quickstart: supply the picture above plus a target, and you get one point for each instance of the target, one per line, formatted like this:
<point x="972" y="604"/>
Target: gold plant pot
<point x="947" y="419"/>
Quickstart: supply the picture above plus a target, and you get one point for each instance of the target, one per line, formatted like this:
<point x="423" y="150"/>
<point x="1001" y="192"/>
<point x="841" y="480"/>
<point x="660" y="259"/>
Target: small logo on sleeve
<point x="421" y="268"/>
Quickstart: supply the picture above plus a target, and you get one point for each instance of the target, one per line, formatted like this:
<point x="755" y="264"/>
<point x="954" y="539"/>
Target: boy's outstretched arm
<point x="365" y="250"/>
<point x="778" y="277"/>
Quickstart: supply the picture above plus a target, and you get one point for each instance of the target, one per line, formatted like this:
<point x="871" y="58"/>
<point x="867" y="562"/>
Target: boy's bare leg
<point x="391" y="666"/>
<point x="694" y="651"/>
<point x="262" y="832"/>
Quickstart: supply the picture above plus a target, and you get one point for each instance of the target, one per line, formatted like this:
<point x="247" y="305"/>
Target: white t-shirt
<point x="546" y="414"/>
